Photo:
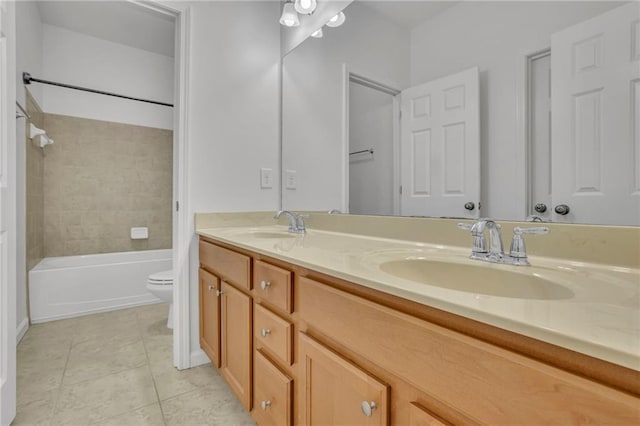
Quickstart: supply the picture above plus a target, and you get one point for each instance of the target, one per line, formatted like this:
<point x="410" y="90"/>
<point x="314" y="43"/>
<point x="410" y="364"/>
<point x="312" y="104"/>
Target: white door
<point x="7" y="214"/>
<point x="595" y="87"/>
<point x="440" y="147"/>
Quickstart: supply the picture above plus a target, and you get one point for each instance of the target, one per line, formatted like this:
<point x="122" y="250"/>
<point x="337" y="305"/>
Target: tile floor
<point x="115" y="368"/>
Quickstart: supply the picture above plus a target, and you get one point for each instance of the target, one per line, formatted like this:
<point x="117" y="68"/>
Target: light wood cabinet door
<point x="236" y="342"/>
<point x="210" y="316"/>
<point x="335" y="391"/>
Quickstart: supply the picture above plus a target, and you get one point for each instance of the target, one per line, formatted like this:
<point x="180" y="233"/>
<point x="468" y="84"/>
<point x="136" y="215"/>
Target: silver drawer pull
<point x="368" y="408"/>
<point x="265" y="332"/>
<point x="265" y="284"/>
<point x="265" y="404"/>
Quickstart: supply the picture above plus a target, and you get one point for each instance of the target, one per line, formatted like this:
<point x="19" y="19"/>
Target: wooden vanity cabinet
<point x="235" y="336"/>
<point x="226" y="315"/>
<point x="325" y="351"/>
<point x="210" y="292"/>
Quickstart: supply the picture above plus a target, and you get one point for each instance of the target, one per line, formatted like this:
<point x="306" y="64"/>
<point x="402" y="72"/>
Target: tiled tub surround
<point x="601" y="318"/>
<point x="102" y="178"/>
<point x="35" y="187"/>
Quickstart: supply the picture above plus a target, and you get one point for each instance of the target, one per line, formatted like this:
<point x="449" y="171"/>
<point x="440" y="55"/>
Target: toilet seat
<point x="161" y="278"/>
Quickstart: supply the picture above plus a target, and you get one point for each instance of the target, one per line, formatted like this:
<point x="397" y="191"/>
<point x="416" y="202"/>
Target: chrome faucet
<point x="296" y="221"/>
<point x="495" y="254"/>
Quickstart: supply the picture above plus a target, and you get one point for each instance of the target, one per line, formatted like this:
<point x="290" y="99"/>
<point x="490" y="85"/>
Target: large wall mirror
<point x="511" y="110"/>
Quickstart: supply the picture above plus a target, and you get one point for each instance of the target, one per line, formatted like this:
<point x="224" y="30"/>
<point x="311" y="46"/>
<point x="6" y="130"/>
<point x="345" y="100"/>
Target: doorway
<point x="373" y="126"/>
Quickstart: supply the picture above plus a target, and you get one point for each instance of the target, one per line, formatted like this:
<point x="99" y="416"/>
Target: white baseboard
<point x="198" y="357"/>
<point x="22" y="329"/>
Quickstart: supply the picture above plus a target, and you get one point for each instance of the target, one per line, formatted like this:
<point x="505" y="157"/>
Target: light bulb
<point x="317" y="33"/>
<point x="336" y="21"/>
<point x="289" y="16"/>
<point x="305" y="7"/>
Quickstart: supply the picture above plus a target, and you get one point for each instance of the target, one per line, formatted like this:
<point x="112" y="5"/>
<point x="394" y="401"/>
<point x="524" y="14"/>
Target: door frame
<point x="8" y="237"/>
<point x="523" y="123"/>
<point x="182" y="230"/>
<point x="350" y="74"/>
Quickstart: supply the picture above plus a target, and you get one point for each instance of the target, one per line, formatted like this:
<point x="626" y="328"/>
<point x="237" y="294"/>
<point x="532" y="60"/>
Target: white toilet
<point x="160" y="285"/>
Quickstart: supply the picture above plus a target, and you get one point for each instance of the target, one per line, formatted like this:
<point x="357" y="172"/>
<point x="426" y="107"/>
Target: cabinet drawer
<point x="273" y="285"/>
<point x="272" y="393"/>
<point x="273" y="333"/>
<point x="232" y="267"/>
<point x="483" y="381"/>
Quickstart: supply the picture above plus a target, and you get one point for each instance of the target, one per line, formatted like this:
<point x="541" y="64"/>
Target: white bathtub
<point x="70" y="286"/>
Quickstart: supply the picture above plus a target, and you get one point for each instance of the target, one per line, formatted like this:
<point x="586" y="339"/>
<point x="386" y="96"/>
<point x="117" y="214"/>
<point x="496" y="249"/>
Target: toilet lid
<point x="164" y="277"/>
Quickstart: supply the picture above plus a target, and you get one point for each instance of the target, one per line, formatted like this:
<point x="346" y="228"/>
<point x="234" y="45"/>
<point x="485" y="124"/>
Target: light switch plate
<point x="291" y="180"/>
<point x="266" y="178"/>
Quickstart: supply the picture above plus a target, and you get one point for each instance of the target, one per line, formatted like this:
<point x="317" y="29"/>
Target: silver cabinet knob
<point x="265" y="332"/>
<point x="211" y="287"/>
<point x="562" y="209"/>
<point x="540" y="207"/>
<point x="265" y="284"/>
<point x="368" y="408"/>
<point x="469" y="205"/>
<point x="265" y="404"/>
<point x="218" y="293"/>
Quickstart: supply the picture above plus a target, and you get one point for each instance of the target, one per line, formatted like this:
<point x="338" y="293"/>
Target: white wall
<point x="313" y="91"/>
<point x="492" y="35"/>
<point x="28" y="58"/>
<point x="233" y="106"/>
<point x="82" y="60"/>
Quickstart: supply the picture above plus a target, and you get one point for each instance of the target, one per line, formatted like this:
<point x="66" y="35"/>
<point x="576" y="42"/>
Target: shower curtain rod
<point x="28" y="79"/>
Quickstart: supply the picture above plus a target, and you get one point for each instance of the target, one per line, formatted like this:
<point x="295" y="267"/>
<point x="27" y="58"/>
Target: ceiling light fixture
<point x="305" y="7"/>
<point x="317" y="33"/>
<point x="289" y="16"/>
<point x="336" y="21"/>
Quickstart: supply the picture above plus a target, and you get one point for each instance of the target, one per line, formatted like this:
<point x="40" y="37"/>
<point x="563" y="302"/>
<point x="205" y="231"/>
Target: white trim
<point x="22" y="329"/>
<point x="182" y="229"/>
<point x="522" y="125"/>
<point x="8" y="214"/>
<point x="345" y="139"/>
<point x="396" y="153"/>
<point x="199" y="357"/>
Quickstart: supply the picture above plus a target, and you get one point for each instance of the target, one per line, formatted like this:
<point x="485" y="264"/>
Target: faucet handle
<point x="538" y="230"/>
<point x="518" y="250"/>
<point x="479" y="242"/>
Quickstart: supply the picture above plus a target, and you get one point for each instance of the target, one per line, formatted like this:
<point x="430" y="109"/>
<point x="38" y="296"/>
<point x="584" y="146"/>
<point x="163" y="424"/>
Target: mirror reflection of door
<point x="372" y="125"/>
<point x="595" y="85"/>
<point x="440" y="147"/>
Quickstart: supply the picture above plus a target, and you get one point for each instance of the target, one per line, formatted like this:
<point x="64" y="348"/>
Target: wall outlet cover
<point x="266" y="178"/>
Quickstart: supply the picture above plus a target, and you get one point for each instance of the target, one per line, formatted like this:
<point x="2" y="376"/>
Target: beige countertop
<point x="596" y="313"/>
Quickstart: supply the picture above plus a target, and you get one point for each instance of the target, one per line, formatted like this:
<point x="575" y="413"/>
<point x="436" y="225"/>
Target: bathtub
<point x="70" y="286"/>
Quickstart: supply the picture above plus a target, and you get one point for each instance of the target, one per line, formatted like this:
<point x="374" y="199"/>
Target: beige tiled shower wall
<point x="35" y="187"/>
<point x="101" y="179"/>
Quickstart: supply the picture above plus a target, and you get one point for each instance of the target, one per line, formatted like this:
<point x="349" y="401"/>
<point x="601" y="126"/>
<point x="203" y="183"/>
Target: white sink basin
<point x="519" y="282"/>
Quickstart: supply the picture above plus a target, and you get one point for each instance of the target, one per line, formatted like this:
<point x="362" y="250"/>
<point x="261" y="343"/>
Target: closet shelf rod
<point x="370" y="151"/>
<point x="28" y="79"/>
